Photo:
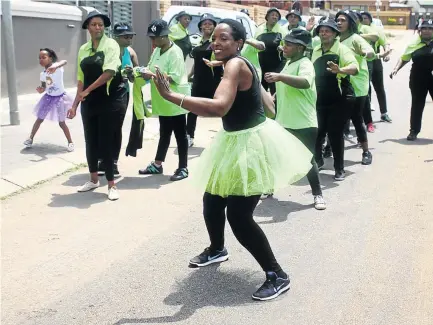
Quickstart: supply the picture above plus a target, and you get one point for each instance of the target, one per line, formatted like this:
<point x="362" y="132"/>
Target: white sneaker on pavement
<point x="28" y="143"/>
<point x="71" y="147"/>
<point x="319" y="202"/>
<point x="113" y="193"/>
<point x="89" y="186"/>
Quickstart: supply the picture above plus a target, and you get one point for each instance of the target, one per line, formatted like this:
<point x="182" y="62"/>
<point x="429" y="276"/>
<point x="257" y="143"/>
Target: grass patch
<point x="34" y="186"/>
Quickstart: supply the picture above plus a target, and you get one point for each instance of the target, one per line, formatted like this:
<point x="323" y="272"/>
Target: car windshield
<point x="193" y="25"/>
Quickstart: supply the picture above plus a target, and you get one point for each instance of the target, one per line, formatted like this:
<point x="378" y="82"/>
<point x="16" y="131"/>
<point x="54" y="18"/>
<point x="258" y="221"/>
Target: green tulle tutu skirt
<point x="250" y="162"/>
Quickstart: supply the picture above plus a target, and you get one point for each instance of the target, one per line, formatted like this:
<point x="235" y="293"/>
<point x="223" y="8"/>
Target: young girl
<point x="55" y="103"/>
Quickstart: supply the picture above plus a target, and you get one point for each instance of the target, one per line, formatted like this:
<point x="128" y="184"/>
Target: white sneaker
<point x="265" y="196"/>
<point x="319" y="202"/>
<point x="71" y="147"/>
<point x="113" y="193"/>
<point x="28" y="143"/>
<point x="89" y="186"/>
<point x="372" y="108"/>
<point x="190" y="141"/>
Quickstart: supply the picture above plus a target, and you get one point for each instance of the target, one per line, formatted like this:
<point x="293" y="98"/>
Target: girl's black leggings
<point x="240" y="217"/>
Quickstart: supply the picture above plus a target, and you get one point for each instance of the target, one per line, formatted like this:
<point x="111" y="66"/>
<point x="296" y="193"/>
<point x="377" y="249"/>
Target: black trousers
<point x="308" y="137"/>
<point x="240" y="217"/>
<point x="357" y="119"/>
<point x="379" y="87"/>
<point x="99" y="134"/>
<point x="191" y="124"/>
<point x="366" y="110"/>
<point x="268" y="86"/>
<point x="331" y="120"/>
<point x="168" y="125"/>
<point x="419" y="87"/>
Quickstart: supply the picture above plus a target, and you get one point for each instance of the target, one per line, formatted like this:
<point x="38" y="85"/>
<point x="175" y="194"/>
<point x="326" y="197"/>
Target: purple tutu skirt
<point x="53" y="108"/>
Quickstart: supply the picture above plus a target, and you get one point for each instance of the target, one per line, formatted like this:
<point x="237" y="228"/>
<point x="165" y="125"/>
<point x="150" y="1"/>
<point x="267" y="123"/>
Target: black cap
<point x="294" y="12"/>
<point x="352" y="16"/>
<point x="272" y="10"/>
<point x="328" y="23"/>
<point x="93" y="14"/>
<point x="206" y="16"/>
<point x="299" y="36"/>
<point x="427" y="23"/>
<point x="121" y="29"/>
<point x="357" y="14"/>
<point x="183" y="13"/>
<point x="366" y="13"/>
<point x="158" y="27"/>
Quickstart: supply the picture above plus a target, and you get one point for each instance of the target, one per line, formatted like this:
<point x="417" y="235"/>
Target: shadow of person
<point x="77" y="200"/>
<point x="404" y="141"/>
<point x="278" y="210"/>
<point x="42" y="150"/>
<point x="142" y="182"/>
<point x="77" y="180"/>
<point x="193" y="152"/>
<point x="205" y="287"/>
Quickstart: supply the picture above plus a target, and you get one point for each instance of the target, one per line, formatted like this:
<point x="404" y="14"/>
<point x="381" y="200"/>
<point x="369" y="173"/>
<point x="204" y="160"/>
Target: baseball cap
<point x="158" y="27"/>
<point x="121" y="29"/>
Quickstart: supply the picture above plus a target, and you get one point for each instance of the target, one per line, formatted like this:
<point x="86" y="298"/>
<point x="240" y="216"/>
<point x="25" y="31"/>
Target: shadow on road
<point x="193" y="152"/>
<point x="278" y="210"/>
<point x="42" y="150"/>
<point x="419" y="141"/>
<point x="142" y="182"/>
<point x="205" y="287"/>
<point x="77" y="200"/>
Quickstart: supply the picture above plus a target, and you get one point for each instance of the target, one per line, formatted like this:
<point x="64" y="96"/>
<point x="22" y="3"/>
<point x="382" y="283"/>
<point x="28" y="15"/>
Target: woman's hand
<point x="161" y="83"/>
<point x="333" y="67"/>
<point x="82" y="96"/>
<point x="272" y="77"/>
<point x="213" y="64"/>
<point x="40" y="89"/>
<point x="52" y="69"/>
<point x="71" y="113"/>
<point x="358" y="49"/>
<point x="393" y="73"/>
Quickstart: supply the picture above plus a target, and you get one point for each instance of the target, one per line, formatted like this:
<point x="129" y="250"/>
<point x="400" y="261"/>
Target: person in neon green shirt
<point x="179" y="33"/>
<point x="296" y="99"/>
<point x="172" y="118"/>
<point x="294" y="19"/>
<point x="377" y="67"/>
<point x="346" y="23"/>
<point x="420" y="51"/>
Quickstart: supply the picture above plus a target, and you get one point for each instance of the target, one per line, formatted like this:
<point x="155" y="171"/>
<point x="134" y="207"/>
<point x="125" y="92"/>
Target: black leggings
<point x="331" y="120"/>
<point x="357" y="119"/>
<point x="240" y="217"/>
<point x="366" y="110"/>
<point x="168" y="125"/>
<point x="308" y="137"/>
<point x="379" y="88"/>
<point x="99" y="134"/>
<point x="191" y="124"/>
<point x="420" y="86"/>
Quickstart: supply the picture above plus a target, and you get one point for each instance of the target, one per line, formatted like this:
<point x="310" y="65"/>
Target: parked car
<point x="219" y="14"/>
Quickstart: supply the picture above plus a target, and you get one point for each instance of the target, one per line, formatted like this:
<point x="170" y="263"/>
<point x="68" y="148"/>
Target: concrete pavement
<point x="76" y="258"/>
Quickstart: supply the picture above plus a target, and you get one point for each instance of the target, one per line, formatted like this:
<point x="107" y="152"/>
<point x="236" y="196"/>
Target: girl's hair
<point x="51" y="53"/>
<point x="238" y="31"/>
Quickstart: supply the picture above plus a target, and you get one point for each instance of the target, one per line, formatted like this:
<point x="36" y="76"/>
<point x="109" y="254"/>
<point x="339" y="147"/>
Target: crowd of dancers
<point x="318" y="77"/>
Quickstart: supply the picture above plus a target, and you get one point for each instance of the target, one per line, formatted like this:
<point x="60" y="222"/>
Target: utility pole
<point x="8" y="34"/>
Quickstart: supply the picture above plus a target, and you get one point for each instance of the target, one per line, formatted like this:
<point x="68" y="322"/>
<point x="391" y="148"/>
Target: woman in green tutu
<point x="251" y="156"/>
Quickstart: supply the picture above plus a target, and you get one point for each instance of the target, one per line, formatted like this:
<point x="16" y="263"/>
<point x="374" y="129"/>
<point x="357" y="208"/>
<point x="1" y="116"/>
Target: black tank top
<point x="247" y="110"/>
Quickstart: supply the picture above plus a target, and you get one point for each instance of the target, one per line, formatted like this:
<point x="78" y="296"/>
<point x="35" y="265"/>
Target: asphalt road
<point x="72" y="259"/>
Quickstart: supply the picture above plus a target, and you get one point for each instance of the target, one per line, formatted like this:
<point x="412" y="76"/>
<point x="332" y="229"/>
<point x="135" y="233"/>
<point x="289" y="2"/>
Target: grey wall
<point x="31" y="34"/>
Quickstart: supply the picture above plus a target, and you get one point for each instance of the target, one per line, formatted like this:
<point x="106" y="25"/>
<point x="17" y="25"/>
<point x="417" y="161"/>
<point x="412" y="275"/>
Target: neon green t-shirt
<point x="414" y="45"/>
<point x="177" y="32"/>
<point x="297" y="107"/>
<point x="360" y="82"/>
<point x="252" y="54"/>
<point x="171" y="63"/>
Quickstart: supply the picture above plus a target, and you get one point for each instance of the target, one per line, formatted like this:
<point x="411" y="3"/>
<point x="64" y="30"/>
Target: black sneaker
<point x="210" y="257"/>
<point x="179" y="174"/>
<point x="116" y="170"/>
<point x="367" y="158"/>
<point x="272" y="288"/>
<point x="385" y="117"/>
<point x="412" y="136"/>
<point x="340" y="175"/>
<point x="327" y="152"/>
<point x="101" y="168"/>
<point x="152" y="169"/>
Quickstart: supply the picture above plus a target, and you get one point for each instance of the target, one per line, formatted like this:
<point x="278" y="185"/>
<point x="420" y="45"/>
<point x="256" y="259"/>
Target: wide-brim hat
<point x="352" y="16"/>
<point x="357" y="14"/>
<point x="183" y="13"/>
<point x="328" y="23"/>
<point x="366" y="13"/>
<point x="93" y="14"/>
<point x="427" y="23"/>
<point x="158" y="27"/>
<point x="294" y="12"/>
<point x="299" y="36"/>
<point x="205" y="17"/>
<point x="273" y="10"/>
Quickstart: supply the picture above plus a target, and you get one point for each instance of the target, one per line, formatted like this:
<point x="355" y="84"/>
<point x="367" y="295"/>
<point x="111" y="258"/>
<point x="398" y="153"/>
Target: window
<point x="193" y="25"/>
